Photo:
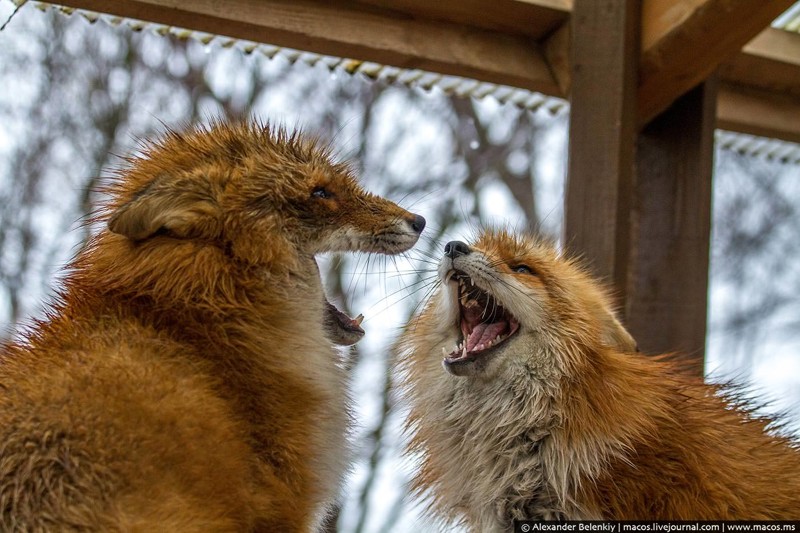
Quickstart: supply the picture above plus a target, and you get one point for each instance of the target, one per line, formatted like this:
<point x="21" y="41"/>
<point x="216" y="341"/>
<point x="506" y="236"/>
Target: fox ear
<point x="184" y="208"/>
<point x="616" y="336"/>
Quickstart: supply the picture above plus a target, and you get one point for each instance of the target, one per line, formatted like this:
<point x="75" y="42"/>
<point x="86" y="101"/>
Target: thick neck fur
<point x="207" y="298"/>
<point x="234" y="315"/>
<point x="488" y="445"/>
<point x="596" y="446"/>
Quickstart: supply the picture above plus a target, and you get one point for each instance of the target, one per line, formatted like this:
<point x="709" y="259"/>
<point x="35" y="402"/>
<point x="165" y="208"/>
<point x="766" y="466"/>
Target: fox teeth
<point x="489" y="344"/>
<point x="461" y="347"/>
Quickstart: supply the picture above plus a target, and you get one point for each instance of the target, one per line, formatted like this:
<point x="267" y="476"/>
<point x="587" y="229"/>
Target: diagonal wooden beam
<point x="355" y="30"/>
<point x="683" y="41"/>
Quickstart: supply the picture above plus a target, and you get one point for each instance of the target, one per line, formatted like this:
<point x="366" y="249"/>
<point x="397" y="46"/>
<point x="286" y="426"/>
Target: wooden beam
<point x="531" y="18"/>
<point x="770" y="62"/>
<point x="683" y="41"/>
<point x="760" y="90"/>
<point x="557" y="54"/>
<point x="667" y="304"/>
<point x="602" y="135"/>
<point x="460" y="37"/>
<point x="353" y="30"/>
<point x="758" y="112"/>
<point x="779" y="45"/>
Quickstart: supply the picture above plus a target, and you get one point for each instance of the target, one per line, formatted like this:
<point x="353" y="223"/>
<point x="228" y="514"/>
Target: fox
<point x="188" y="376"/>
<point x="529" y="400"/>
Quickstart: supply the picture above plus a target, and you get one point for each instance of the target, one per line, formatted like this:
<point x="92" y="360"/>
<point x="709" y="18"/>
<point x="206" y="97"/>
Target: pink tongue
<point x="483" y="333"/>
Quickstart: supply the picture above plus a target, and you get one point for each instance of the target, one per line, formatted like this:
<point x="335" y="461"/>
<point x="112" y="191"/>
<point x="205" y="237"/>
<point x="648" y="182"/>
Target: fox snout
<point x="380" y="226"/>
<point x="417" y="223"/>
<point x="406" y="240"/>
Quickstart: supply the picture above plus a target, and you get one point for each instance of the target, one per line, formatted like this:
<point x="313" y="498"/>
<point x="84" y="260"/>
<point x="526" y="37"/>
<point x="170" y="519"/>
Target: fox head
<point x="267" y="196"/>
<point x="515" y="304"/>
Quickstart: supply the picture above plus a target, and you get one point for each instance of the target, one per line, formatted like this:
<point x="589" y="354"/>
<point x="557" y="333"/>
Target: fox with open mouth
<point x="186" y="377"/>
<point x="546" y="410"/>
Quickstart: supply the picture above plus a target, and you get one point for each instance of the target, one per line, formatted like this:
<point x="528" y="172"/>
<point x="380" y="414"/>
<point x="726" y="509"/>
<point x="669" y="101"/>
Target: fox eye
<point x="321" y="192"/>
<point x="522" y="269"/>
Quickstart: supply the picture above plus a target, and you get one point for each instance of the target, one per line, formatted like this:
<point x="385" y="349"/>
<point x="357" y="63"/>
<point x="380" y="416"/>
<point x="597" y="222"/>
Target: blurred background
<point x="76" y="95"/>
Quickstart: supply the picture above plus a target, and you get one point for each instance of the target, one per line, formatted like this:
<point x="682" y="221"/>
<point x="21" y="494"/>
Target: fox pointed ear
<point x="184" y="208"/>
<point x="616" y="336"/>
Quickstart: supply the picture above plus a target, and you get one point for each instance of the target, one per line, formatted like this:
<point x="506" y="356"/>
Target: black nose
<point x="455" y="248"/>
<point x="418" y="224"/>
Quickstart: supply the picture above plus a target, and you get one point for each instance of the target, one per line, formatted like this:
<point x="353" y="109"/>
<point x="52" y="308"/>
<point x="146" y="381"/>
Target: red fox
<point x="545" y="410"/>
<point x="186" y="378"/>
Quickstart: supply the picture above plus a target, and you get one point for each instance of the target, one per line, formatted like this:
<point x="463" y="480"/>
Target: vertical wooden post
<point x="605" y="52"/>
<point x="667" y="304"/>
<point x="638" y="205"/>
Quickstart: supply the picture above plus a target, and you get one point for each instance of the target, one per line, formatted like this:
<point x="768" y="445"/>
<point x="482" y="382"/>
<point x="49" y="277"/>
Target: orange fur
<point x="563" y="419"/>
<point x="183" y="381"/>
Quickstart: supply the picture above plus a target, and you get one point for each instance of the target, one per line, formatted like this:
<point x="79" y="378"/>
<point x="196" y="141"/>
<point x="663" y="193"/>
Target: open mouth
<point x="342" y="329"/>
<point x="484" y="322"/>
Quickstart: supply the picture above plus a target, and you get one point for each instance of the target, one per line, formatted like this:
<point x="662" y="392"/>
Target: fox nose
<point x="418" y="223"/>
<point x="455" y="248"/>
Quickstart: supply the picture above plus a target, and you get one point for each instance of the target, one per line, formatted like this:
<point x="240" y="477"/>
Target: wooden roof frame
<point x="526" y="43"/>
<point x="648" y="81"/>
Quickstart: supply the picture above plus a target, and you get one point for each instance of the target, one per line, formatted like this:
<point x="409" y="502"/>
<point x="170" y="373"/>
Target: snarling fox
<point x="529" y="400"/>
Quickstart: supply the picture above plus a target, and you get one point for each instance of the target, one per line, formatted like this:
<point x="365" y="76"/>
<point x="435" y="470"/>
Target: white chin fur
<point x="393" y="240"/>
<point x="447" y="315"/>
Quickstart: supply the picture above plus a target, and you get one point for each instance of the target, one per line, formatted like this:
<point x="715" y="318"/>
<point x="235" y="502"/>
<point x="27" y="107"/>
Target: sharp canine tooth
<point x="464" y="352"/>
